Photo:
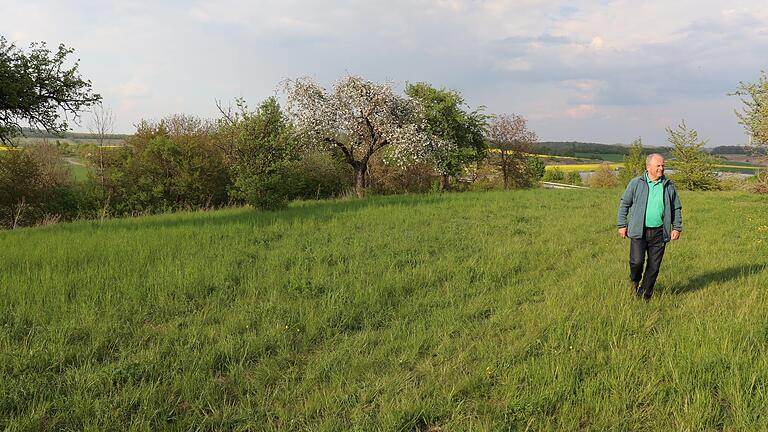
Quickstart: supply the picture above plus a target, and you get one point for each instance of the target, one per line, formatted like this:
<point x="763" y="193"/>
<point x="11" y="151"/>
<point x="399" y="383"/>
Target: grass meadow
<point x="453" y="312"/>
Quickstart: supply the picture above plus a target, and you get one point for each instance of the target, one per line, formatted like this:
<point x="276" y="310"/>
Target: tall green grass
<point x="473" y="311"/>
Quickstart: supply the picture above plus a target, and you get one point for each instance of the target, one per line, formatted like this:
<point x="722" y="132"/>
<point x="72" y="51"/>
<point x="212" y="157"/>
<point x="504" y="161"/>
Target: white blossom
<point x="360" y="117"/>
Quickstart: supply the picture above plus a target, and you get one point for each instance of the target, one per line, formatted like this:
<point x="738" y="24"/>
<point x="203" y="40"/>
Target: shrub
<point x="603" y="177"/>
<point x="634" y="162"/>
<point x="263" y="148"/>
<point x="573" y="178"/>
<point x="318" y="175"/>
<point x="760" y="184"/>
<point x="20" y="188"/>
<point x="169" y="165"/>
<point x="734" y="183"/>
<point x="536" y="168"/>
<point x="390" y="178"/>
<point x="694" y="169"/>
<point x="485" y="177"/>
<point x="35" y="186"/>
<point x="554" y="175"/>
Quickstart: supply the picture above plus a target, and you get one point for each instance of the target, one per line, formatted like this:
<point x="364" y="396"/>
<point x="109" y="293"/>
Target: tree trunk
<point x="505" y="169"/>
<point x="445" y="182"/>
<point x="17" y="214"/>
<point x="360" y="172"/>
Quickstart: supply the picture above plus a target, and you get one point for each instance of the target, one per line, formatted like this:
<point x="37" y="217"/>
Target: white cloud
<point x="566" y="66"/>
<point x="581" y="111"/>
<point x="133" y="88"/>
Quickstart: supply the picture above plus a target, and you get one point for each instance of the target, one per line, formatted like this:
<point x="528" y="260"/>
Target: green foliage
<point x="20" y="188"/>
<point x="582" y="149"/>
<point x="634" y="162"/>
<point x="263" y="150"/>
<point x="694" y="168"/>
<point x="168" y="165"/>
<point x="36" y="88"/>
<point x="449" y="120"/>
<point x="573" y="178"/>
<point x="318" y="175"/>
<point x="603" y="177"/>
<point x="554" y="175"/>
<point x="536" y="168"/>
<point x="36" y="187"/>
<point x="475" y="311"/>
<point x="741" y="150"/>
<point x="415" y="177"/>
<point x="754" y="115"/>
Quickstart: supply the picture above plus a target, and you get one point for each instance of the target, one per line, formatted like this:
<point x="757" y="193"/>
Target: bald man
<point x="655" y="218"/>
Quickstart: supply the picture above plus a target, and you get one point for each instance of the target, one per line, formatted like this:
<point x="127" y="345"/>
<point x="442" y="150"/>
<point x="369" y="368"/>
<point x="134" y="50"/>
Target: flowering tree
<point x="359" y="118"/>
<point x="511" y="143"/>
<point x="754" y="115"/>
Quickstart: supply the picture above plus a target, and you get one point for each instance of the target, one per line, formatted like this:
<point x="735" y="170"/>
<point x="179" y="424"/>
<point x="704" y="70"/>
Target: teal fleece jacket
<point x="634" y="200"/>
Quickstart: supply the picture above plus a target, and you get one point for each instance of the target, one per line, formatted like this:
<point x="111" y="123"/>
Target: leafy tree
<point x="536" y="168"/>
<point x="34" y="183"/>
<point x="167" y="165"/>
<point x="20" y="186"/>
<point x="694" y="169"/>
<point x="262" y="151"/>
<point x="448" y="120"/>
<point x="754" y="117"/>
<point x="511" y="143"/>
<point x="359" y="118"/>
<point x="37" y="87"/>
<point x="634" y="162"/>
<point x="603" y="177"/>
<point x="101" y="125"/>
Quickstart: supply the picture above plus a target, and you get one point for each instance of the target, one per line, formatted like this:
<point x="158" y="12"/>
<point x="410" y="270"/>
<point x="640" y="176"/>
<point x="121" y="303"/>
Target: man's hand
<point x="623" y="232"/>
<point x="675" y="235"/>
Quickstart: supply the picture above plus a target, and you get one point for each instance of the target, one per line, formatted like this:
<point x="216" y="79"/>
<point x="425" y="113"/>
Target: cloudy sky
<point x="601" y="71"/>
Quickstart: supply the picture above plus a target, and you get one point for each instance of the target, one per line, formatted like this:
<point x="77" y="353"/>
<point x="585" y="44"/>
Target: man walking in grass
<point x="655" y="218"/>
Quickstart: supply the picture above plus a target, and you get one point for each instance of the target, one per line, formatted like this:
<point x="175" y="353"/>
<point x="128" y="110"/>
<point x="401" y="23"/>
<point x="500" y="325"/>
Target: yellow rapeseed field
<point x="593" y="167"/>
<point x="581" y="167"/>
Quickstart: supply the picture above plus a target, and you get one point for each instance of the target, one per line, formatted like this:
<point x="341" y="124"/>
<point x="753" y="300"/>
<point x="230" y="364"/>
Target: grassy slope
<point x="479" y="311"/>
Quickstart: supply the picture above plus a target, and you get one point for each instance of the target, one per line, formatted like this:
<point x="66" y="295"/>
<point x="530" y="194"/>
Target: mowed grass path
<point x="473" y="311"/>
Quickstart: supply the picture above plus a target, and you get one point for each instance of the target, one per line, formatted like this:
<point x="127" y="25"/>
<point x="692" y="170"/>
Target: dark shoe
<point x="634" y="286"/>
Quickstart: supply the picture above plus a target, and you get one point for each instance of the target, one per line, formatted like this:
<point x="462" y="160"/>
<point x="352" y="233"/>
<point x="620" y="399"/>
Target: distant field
<point x="473" y="311"/>
<point x="590" y="167"/>
<point x="610" y="157"/>
<point x="71" y="141"/>
<point x="581" y="167"/>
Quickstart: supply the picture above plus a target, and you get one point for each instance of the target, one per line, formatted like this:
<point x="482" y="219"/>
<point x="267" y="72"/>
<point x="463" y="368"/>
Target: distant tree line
<point x="35" y="133"/>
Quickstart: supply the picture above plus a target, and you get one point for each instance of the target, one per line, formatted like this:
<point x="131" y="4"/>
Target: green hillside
<point x="473" y="311"/>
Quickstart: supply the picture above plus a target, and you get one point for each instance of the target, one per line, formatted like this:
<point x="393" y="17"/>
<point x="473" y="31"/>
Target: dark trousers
<point x="651" y="244"/>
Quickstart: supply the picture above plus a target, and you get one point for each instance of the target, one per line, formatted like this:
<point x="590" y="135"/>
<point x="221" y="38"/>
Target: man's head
<point x="654" y="164"/>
